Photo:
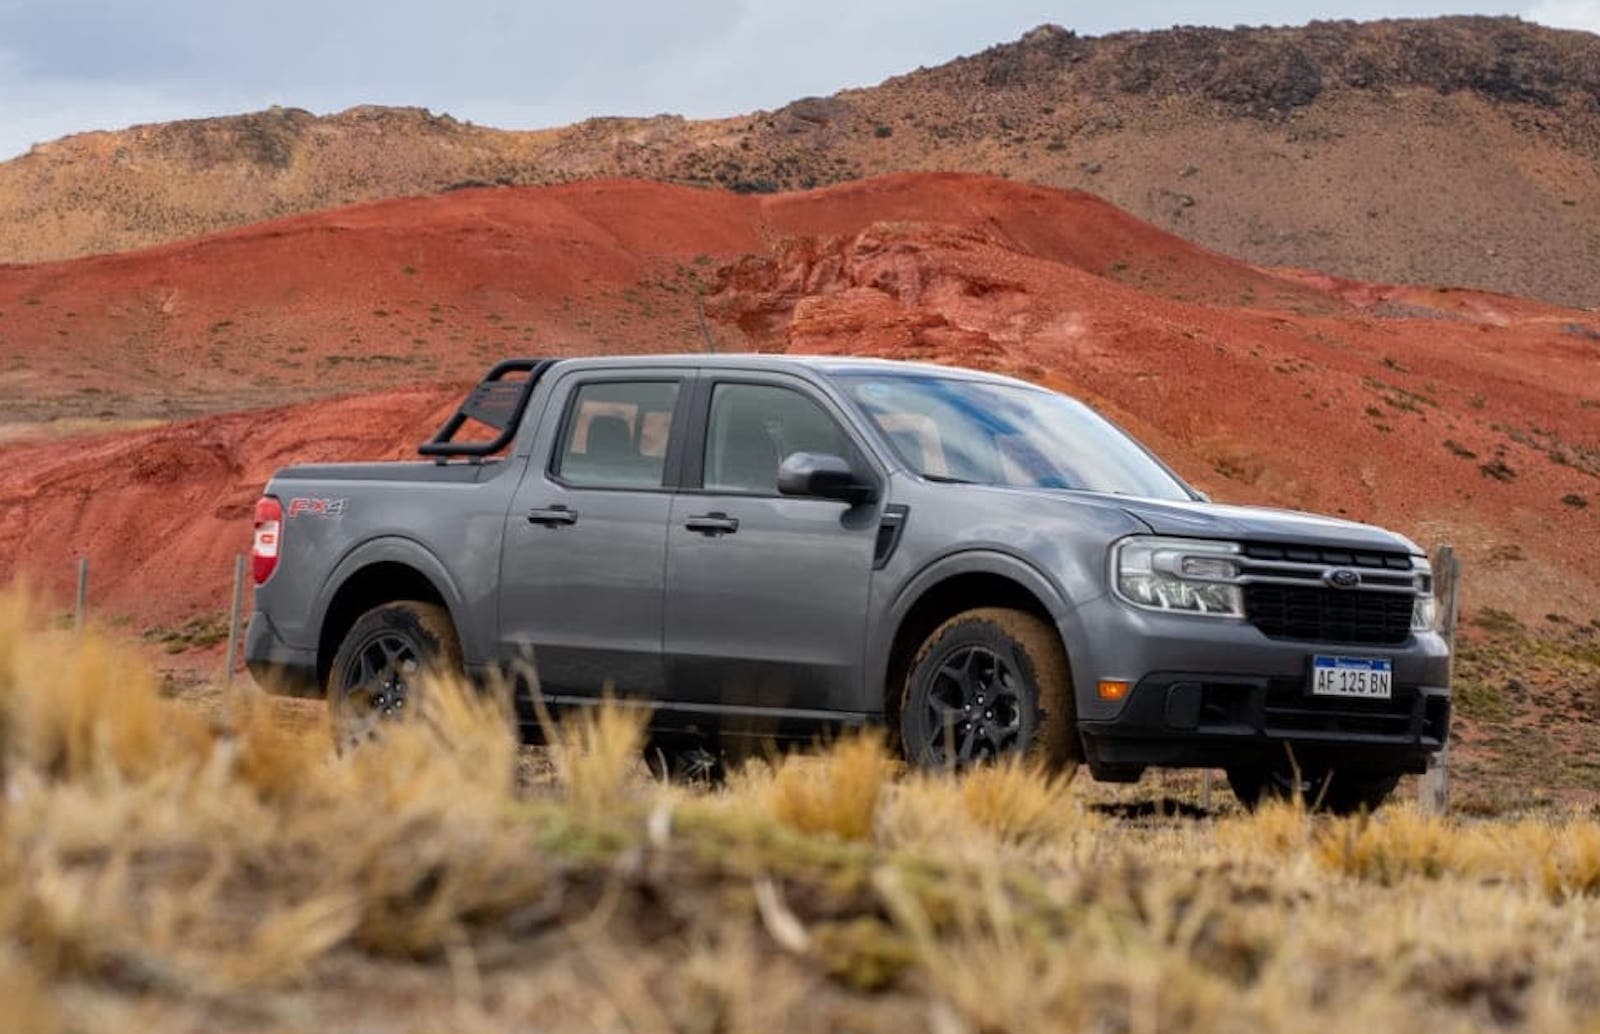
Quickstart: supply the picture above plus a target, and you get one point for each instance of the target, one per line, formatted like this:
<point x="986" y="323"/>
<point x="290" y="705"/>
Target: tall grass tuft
<point x="1019" y="803"/>
<point x="1572" y="867"/>
<point x="81" y="707"/>
<point x="597" y="753"/>
<point x="837" y="794"/>
<point x="1399" y="844"/>
<point x="1276" y="829"/>
<point x="1012" y="803"/>
<point x="458" y="737"/>
<point x="280" y="762"/>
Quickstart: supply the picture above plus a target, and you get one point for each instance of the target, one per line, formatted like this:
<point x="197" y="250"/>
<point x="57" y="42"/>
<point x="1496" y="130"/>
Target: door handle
<point x="713" y="524"/>
<point x="553" y="516"/>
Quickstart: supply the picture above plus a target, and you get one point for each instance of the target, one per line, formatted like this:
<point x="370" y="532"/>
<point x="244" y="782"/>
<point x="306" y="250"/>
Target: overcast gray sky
<point x="73" y="65"/>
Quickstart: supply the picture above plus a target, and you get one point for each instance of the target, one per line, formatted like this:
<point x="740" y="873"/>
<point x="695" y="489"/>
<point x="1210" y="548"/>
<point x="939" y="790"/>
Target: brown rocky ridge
<point x="1459" y="151"/>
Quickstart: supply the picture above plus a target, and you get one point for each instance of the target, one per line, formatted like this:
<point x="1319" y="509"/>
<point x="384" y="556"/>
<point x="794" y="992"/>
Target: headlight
<point x="1425" y="612"/>
<point x="1192" y="576"/>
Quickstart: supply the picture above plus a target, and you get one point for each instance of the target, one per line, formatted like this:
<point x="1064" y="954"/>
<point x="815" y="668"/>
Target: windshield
<point x="946" y="428"/>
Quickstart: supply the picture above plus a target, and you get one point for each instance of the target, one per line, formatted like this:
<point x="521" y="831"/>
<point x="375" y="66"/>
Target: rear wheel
<point x="989" y="683"/>
<point x="376" y="671"/>
<point x="1339" y="791"/>
<point x="685" y="760"/>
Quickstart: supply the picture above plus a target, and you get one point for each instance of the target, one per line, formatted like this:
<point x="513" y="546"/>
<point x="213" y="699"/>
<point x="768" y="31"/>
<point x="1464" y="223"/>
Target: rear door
<point x="766" y="594"/>
<point x="585" y="543"/>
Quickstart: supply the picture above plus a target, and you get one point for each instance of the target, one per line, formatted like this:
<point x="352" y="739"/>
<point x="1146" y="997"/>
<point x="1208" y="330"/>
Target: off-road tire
<point x="1339" y="792"/>
<point x="425" y="637"/>
<point x="1037" y="678"/>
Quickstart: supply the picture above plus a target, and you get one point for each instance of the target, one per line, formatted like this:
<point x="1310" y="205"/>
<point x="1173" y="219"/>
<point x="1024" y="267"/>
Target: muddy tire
<point x="989" y="683"/>
<point x="375" y="673"/>
<point x="1337" y="792"/>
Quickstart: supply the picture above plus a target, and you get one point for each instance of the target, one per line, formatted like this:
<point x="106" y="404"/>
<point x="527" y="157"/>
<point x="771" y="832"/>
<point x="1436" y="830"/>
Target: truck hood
<point x="1197" y="519"/>
<point x="1260" y="524"/>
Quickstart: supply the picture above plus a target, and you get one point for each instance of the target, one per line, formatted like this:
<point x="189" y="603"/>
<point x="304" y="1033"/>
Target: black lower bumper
<point x="1210" y="721"/>
<point x="277" y="666"/>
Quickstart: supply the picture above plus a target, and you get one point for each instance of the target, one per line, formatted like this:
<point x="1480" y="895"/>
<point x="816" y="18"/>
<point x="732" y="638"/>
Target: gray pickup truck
<point x="767" y="547"/>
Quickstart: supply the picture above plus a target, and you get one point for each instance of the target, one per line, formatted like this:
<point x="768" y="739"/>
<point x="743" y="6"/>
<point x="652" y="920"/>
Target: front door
<point x="766" y="594"/>
<point x="585" y="542"/>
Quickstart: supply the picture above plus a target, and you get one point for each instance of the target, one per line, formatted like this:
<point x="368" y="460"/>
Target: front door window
<point x="754" y="426"/>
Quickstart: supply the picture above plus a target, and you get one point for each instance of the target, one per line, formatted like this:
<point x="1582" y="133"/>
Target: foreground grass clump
<point x="159" y="871"/>
<point x="839" y="798"/>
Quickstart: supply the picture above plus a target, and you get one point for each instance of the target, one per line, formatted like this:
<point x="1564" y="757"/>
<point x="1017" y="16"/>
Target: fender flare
<point x="968" y="561"/>
<point x="397" y="549"/>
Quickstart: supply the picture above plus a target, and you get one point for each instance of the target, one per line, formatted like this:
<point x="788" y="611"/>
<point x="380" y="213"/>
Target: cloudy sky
<point x="72" y="65"/>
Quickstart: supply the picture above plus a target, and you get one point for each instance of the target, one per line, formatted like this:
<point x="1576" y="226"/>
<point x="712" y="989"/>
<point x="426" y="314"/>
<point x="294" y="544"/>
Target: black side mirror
<point x="822" y="476"/>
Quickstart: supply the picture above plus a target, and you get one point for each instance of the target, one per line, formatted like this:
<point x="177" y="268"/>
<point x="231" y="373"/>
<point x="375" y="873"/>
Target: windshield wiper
<point x="945" y="479"/>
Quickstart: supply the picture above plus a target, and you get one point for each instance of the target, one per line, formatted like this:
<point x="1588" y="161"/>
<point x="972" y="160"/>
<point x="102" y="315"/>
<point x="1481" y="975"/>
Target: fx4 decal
<point x="316" y="507"/>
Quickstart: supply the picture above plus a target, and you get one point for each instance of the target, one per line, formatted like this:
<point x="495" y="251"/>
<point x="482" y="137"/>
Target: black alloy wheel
<point x="989" y="683"/>
<point x="377" y="681"/>
<point x="974" y="709"/>
<point x="377" y="673"/>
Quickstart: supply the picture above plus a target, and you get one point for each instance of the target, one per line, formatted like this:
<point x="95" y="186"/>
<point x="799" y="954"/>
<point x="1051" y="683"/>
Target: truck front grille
<point x="1288" y="595"/>
<point x="1317" y="614"/>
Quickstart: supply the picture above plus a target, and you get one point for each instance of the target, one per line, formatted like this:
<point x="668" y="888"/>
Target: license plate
<point x="1368" y="678"/>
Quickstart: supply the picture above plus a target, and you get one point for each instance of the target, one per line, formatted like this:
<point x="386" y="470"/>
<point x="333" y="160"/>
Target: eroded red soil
<point x="1454" y="416"/>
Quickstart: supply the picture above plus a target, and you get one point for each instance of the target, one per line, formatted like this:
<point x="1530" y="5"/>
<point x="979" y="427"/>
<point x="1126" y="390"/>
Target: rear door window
<point x="616" y="434"/>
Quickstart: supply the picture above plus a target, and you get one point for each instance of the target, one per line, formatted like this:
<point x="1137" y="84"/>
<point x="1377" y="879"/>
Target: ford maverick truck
<point x="772" y="546"/>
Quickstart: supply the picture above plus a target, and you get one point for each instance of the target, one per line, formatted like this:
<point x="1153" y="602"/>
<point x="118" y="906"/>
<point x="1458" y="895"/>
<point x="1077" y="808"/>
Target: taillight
<point x="269" y="535"/>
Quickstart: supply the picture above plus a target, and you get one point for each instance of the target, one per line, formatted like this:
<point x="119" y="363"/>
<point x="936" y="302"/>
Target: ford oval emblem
<point x="1342" y="578"/>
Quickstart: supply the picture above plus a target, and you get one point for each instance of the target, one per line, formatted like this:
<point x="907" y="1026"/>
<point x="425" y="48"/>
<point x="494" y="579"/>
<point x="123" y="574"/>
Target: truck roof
<point x="826" y="364"/>
<point x="498" y="402"/>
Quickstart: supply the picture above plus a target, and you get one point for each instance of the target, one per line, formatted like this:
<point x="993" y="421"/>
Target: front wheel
<point x="375" y="673"/>
<point x="1339" y="791"/>
<point x="989" y="683"/>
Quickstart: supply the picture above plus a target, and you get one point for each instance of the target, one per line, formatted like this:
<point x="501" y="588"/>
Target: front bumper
<point x="276" y="666"/>
<point x="1201" y="720"/>
<point x="1218" y="693"/>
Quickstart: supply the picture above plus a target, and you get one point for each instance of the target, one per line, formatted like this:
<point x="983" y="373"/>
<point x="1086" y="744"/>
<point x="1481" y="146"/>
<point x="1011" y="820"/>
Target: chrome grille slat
<point x="1295" y="571"/>
<point x="1409" y="589"/>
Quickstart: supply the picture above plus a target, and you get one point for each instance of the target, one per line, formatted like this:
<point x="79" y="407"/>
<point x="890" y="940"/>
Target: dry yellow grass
<point x="160" y="872"/>
<point x="1010" y="807"/>
<point x="596" y="755"/>
<point x="838" y="797"/>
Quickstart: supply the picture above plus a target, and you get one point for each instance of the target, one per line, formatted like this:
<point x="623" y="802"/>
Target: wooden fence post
<point x="1434" y="788"/>
<point x="705" y="328"/>
<point x="233" y="635"/>
<point x="81" y="610"/>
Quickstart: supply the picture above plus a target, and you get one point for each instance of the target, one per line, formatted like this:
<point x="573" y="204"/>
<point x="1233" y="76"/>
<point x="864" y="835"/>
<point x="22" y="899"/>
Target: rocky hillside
<point x="1452" y="415"/>
<point x="1460" y="151"/>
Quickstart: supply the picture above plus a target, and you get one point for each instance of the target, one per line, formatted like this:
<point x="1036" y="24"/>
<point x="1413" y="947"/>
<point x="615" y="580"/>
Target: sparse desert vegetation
<point x="159" y="870"/>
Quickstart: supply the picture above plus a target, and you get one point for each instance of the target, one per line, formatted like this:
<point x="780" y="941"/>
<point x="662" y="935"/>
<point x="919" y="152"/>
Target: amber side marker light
<point x="1111" y="689"/>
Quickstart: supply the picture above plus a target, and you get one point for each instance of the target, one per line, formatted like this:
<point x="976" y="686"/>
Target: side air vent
<point x="889" y="529"/>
